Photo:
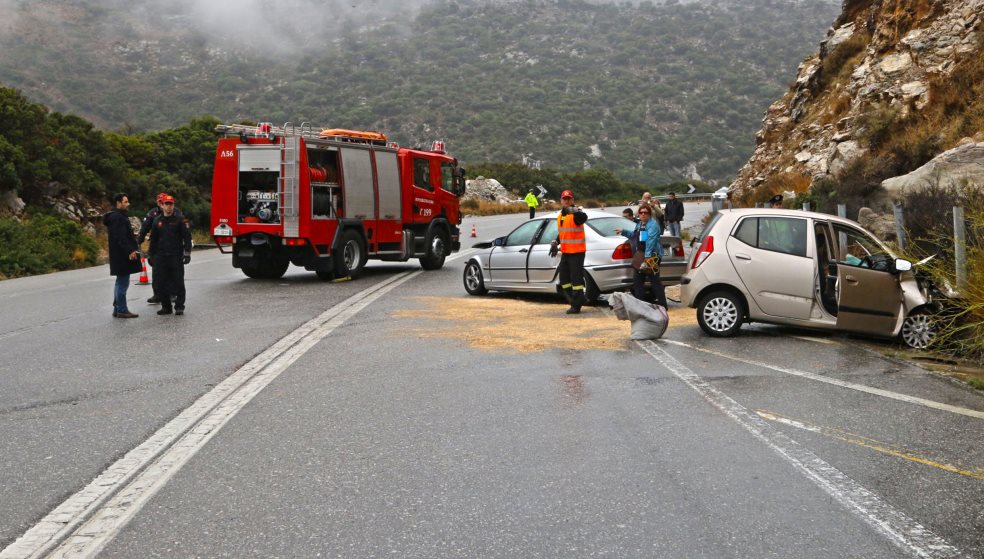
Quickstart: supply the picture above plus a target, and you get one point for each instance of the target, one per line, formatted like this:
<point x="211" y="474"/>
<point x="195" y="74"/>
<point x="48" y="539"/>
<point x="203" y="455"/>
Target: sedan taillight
<point x="705" y="250"/>
<point x="622" y="252"/>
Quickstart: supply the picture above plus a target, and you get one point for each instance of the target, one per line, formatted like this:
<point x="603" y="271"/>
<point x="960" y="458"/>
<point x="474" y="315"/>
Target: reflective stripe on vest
<point x="571" y="236"/>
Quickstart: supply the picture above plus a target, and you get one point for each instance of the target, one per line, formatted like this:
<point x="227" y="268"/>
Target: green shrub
<point x="44" y="243"/>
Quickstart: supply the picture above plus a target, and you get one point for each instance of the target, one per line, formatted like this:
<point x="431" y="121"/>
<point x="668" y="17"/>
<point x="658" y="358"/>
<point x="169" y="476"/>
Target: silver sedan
<point x="520" y="261"/>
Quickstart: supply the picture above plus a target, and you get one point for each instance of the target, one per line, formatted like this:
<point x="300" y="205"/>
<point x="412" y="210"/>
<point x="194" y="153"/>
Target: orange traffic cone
<point x="143" y="273"/>
<point x="474" y="234"/>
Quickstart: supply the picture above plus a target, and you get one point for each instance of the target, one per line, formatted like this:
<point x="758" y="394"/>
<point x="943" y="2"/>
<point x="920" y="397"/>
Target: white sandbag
<point x="618" y="307"/>
<point x="649" y="320"/>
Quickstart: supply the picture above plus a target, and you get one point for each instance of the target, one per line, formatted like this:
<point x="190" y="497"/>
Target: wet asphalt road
<point x="380" y="442"/>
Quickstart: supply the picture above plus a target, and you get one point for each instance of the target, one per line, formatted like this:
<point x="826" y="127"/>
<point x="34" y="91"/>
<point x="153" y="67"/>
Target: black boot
<point x="577" y="301"/>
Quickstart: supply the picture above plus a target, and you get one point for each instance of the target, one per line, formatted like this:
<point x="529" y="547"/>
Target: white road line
<point x="86" y="521"/>
<point x="903" y="531"/>
<point x="842" y="383"/>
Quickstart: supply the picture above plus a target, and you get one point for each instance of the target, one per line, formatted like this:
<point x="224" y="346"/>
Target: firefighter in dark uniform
<point x="572" y="244"/>
<point x="142" y="236"/>
<point x="170" y="248"/>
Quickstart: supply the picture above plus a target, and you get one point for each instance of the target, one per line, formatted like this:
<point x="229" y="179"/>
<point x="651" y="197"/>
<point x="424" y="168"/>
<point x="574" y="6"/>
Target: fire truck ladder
<point x="290" y="160"/>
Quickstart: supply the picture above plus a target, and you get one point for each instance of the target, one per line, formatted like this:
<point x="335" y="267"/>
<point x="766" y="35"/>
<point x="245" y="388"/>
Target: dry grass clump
<point x="962" y="319"/>
<point x="838" y="65"/>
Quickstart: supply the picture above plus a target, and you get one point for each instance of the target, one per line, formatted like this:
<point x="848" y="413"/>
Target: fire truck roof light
<point x="438" y="146"/>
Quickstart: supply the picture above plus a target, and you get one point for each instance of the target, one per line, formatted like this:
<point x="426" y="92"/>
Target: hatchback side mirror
<point x="902" y="265"/>
<point x="500" y="241"/>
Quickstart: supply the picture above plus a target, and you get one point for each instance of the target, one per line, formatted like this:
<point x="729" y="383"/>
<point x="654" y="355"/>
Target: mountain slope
<point x="652" y="92"/>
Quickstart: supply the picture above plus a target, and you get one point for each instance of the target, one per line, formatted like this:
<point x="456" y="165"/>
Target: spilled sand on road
<point x="501" y="324"/>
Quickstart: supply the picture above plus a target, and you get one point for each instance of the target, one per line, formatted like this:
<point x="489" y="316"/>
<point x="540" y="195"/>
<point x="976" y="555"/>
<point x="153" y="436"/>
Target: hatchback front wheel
<point x="918" y="330"/>
<point x="720" y="314"/>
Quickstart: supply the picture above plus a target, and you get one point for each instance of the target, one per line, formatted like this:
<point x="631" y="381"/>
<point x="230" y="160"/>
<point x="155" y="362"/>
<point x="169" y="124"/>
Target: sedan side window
<point x="523" y="235"/>
<point x="549" y="233"/>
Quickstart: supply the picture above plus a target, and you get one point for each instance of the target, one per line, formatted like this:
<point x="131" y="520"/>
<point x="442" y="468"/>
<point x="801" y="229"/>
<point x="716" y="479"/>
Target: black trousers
<point x="571" y="271"/>
<point x="170" y="272"/>
<point x="532" y="212"/>
<point x="655" y="285"/>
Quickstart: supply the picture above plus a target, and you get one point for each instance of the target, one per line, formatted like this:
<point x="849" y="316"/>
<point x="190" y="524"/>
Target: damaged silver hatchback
<point x="807" y="270"/>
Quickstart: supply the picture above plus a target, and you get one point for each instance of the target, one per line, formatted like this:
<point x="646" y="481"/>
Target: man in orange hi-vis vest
<point x="572" y="245"/>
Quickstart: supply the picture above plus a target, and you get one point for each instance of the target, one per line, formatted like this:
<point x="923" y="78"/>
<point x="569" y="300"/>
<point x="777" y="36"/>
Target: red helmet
<point x="167" y="198"/>
<point x="567" y="194"/>
<point x="160" y="197"/>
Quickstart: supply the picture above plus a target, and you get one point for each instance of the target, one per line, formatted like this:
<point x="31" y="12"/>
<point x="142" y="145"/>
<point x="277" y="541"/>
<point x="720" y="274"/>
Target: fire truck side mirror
<point x="459" y="181"/>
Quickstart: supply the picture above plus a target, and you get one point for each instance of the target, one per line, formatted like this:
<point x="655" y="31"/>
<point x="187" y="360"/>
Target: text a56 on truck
<point x="330" y="200"/>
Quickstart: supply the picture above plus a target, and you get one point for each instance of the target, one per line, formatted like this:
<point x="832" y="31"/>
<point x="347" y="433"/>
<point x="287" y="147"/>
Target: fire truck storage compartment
<point x="388" y="179"/>
<point x="325" y="189"/>
<point x="259" y="182"/>
<point x="359" y="201"/>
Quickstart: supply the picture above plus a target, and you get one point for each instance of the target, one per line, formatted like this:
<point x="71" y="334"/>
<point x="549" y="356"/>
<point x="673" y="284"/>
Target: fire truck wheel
<point x="438" y="245"/>
<point x="252" y="268"/>
<point x="276" y="268"/>
<point x="351" y="256"/>
<point x="265" y="268"/>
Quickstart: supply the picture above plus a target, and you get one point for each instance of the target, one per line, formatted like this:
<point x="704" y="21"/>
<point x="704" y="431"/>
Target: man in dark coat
<point x="124" y="256"/>
<point x="674" y="214"/>
<point x="170" y="247"/>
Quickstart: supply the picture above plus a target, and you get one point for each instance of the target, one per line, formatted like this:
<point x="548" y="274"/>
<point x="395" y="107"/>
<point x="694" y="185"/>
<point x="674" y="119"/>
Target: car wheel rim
<point x="720" y="314"/>
<point x="918" y="331"/>
<point x="471" y="277"/>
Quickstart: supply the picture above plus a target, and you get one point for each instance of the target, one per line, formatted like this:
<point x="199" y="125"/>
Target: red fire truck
<point x="330" y="200"/>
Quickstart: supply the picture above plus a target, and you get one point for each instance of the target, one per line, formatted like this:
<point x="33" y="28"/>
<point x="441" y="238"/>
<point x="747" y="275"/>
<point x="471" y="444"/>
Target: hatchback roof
<point x="739" y="212"/>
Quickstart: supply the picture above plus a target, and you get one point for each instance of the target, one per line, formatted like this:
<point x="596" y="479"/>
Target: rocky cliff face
<point x="879" y="70"/>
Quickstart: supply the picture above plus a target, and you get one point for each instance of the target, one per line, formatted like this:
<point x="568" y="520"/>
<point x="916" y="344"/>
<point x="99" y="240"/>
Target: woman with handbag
<point x="649" y="253"/>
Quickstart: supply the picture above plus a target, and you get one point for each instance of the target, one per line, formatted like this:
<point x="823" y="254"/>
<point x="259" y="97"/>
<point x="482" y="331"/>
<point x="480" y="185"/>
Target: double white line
<point x="91" y="518"/>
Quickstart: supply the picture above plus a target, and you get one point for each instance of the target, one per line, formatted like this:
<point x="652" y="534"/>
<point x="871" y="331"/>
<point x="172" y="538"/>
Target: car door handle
<point x="524" y="250"/>
<point x="741" y="256"/>
<point x="851" y="279"/>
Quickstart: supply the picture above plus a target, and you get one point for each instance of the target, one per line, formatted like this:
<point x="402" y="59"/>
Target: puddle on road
<point x="500" y="324"/>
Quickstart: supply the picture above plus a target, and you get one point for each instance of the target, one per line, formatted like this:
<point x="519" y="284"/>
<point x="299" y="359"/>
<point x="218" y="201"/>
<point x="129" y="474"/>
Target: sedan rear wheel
<point x="918" y="330"/>
<point x="473" y="280"/>
<point x="720" y="314"/>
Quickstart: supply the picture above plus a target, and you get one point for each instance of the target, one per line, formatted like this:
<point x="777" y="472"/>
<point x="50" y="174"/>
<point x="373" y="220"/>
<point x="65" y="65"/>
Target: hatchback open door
<point x="869" y="297"/>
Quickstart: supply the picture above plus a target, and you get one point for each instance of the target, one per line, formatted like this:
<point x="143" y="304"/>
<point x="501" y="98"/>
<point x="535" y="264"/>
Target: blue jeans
<point x="119" y="293"/>
<point x="674" y="228"/>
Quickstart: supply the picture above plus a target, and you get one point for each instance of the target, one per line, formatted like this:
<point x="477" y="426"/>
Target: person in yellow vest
<point x="532" y="202"/>
<point x="572" y="245"/>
